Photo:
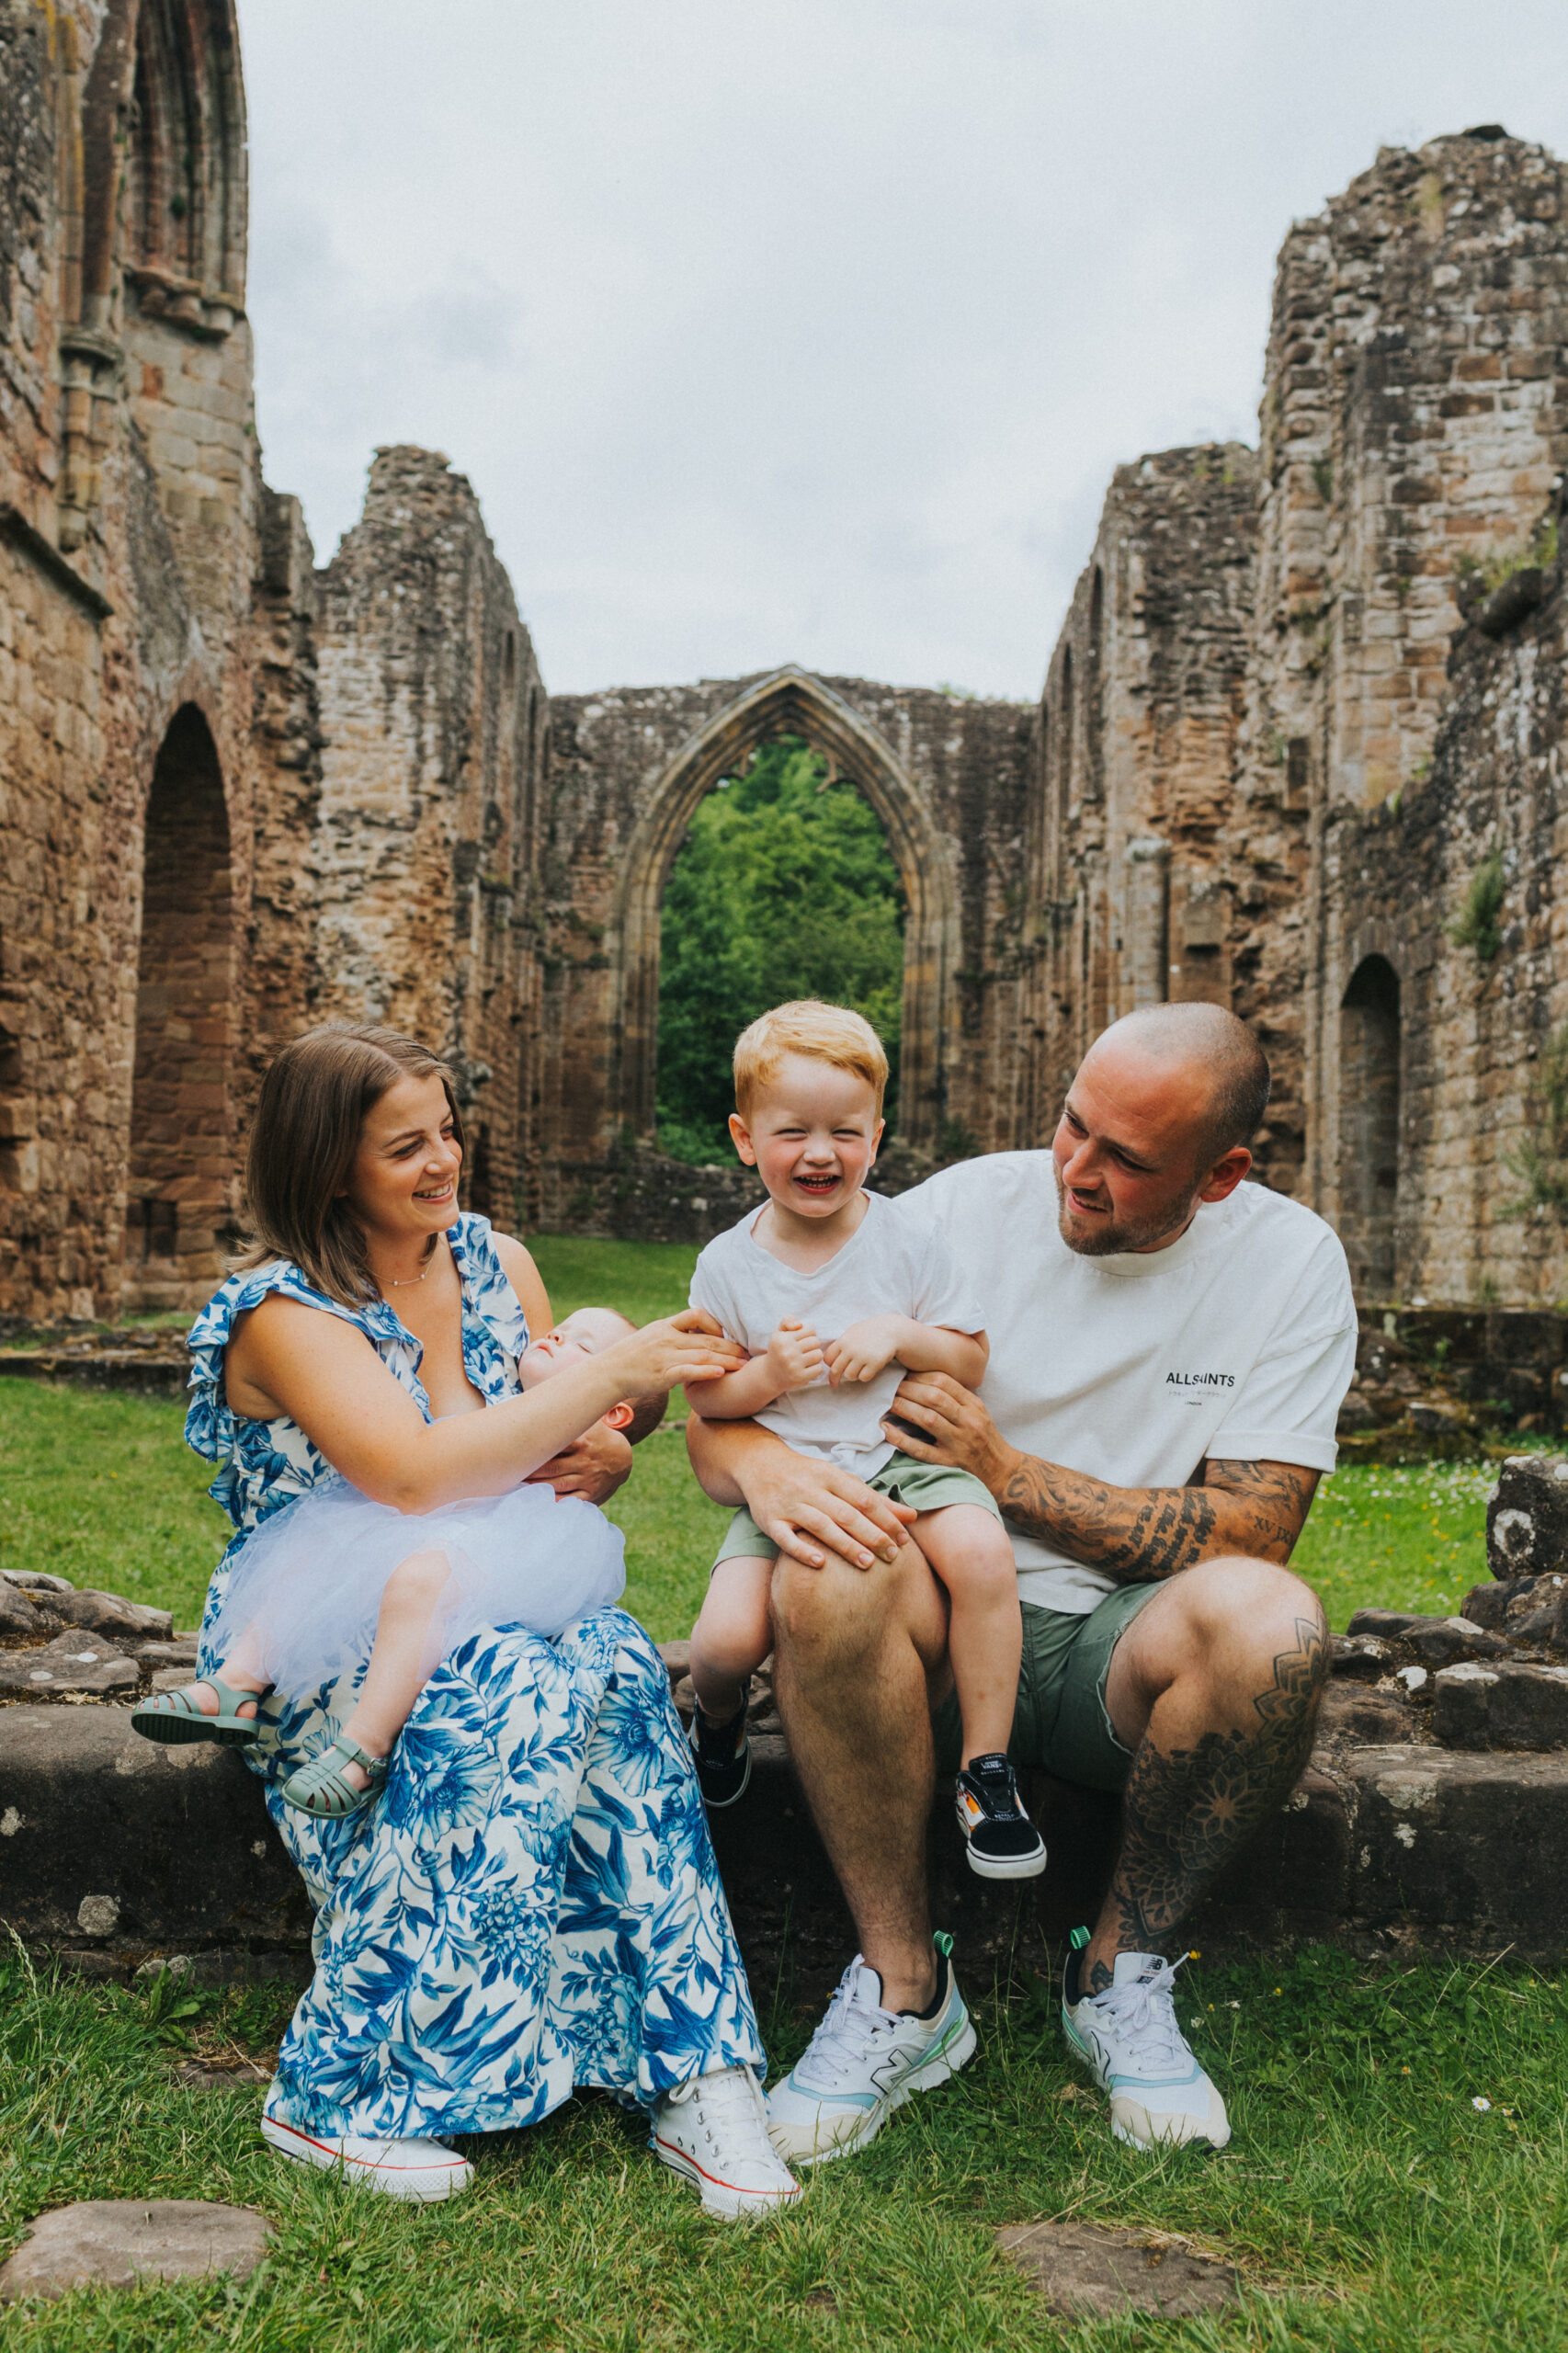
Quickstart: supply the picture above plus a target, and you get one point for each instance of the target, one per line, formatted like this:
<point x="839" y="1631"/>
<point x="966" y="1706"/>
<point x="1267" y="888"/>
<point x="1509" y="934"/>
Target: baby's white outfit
<point x="891" y="1264"/>
<point x="308" y="1586"/>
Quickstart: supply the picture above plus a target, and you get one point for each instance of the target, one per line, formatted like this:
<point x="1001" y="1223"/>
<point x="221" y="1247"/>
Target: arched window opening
<point x="784" y="887"/>
<point x="185" y="170"/>
<point x="1094" y="693"/>
<point x="1369" y="1126"/>
<point x="178" y="1209"/>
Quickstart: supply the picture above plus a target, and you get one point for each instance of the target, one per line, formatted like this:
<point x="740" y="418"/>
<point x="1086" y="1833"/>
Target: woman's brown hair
<point x="308" y="1122"/>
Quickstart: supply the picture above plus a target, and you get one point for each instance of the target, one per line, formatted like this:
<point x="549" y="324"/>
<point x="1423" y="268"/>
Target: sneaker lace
<point x="851" y="2023"/>
<point x="729" y="2107"/>
<point x="1145" y="2021"/>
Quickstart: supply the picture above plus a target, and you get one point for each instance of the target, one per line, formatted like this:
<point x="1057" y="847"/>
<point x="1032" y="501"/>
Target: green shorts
<point x="924" y="1486"/>
<point x="1060" y="1723"/>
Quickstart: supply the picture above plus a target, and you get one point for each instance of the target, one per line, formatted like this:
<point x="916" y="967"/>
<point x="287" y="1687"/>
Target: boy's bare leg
<point x="399" y="1663"/>
<point x="732" y="1635"/>
<point x="858" y="1654"/>
<point x="968" y="1548"/>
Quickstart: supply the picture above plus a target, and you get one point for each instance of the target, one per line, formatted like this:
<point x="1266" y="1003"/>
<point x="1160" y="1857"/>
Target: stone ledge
<point x="114" y="1851"/>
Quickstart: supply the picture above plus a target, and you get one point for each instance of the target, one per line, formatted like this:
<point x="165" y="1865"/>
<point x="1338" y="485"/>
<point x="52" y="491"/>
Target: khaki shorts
<point x="924" y="1486"/>
<point x="1060" y="1723"/>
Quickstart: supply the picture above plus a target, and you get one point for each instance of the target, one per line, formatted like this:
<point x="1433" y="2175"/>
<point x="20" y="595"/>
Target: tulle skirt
<point x="305" y="1591"/>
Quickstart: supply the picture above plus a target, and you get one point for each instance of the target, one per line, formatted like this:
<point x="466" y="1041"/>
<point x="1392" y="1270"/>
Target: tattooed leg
<point x="1218" y="1693"/>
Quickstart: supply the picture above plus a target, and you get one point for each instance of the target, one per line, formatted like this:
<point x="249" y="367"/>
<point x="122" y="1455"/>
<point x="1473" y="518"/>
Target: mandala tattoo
<point x="1187" y="1812"/>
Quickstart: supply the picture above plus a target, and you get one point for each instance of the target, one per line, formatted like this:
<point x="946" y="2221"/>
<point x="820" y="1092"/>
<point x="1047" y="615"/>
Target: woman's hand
<point x="594" y="1468"/>
<point x="666" y="1355"/>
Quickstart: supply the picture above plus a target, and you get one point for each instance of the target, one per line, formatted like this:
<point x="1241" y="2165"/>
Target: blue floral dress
<point x="533" y="1904"/>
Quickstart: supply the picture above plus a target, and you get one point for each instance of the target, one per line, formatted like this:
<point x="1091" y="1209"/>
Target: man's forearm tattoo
<point x="1141" y="1533"/>
<point x="1187" y="1812"/>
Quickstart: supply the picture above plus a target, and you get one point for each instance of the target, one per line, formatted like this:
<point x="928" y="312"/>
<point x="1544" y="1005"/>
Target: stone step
<point x="118" y="1851"/>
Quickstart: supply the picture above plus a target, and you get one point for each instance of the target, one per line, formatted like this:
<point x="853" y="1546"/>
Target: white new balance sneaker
<point x="1128" y="2037"/>
<point x="863" y="2061"/>
<point x="424" y="2170"/>
<point x="714" y="2130"/>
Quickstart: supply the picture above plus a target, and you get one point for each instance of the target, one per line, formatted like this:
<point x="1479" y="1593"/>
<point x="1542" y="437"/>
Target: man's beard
<point x="1109" y="1237"/>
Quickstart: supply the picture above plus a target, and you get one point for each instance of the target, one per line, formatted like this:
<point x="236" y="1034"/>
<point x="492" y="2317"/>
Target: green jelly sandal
<point x="174" y="1716"/>
<point x="320" y="1788"/>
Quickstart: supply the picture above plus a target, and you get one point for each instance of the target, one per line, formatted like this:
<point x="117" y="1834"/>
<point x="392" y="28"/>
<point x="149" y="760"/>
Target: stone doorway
<point x="178" y="1214"/>
<point x="1368" y="1127"/>
<point x="790" y="702"/>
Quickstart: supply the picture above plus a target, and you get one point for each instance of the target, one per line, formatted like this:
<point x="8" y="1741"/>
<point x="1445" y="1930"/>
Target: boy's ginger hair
<point x="824" y="1033"/>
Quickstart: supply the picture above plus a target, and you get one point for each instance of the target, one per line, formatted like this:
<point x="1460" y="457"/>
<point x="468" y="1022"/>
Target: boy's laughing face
<point x="812" y="1133"/>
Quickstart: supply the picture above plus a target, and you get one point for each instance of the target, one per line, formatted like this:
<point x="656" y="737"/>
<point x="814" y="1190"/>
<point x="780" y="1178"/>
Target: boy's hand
<point x="865" y="1349"/>
<point x="794" y="1356"/>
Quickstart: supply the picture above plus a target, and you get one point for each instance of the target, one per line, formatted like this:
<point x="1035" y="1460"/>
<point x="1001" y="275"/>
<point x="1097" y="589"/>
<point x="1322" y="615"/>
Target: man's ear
<point x="620" y="1417"/>
<point x="740" y="1136"/>
<point x="1226" y="1174"/>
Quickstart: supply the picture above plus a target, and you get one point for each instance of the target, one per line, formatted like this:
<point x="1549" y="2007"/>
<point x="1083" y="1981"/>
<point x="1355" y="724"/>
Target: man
<point x="1169" y="1348"/>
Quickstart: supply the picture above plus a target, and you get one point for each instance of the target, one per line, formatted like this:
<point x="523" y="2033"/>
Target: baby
<point x="835" y="1294"/>
<point x="310" y="1583"/>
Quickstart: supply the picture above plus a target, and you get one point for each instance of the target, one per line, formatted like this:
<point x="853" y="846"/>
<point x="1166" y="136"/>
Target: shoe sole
<point x="425" y="2187"/>
<point x="1023" y="1867"/>
<point x="925" y="2078"/>
<point x="723" y="2198"/>
<point x="177" y="1732"/>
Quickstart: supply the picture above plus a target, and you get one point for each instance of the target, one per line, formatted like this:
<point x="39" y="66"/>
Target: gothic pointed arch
<point x="790" y="702"/>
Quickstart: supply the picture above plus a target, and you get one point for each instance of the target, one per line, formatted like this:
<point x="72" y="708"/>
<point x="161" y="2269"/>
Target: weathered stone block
<point x="1509" y="1705"/>
<point x="1527" y="1519"/>
<point x="1457" y="1844"/>
<point x="71" y="1663"/>
<point x="113" y="2243"/>
<point x="112" y="1614"/>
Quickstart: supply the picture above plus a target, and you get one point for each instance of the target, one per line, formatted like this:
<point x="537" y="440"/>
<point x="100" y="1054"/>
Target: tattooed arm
<point x="1134" y="1534"/>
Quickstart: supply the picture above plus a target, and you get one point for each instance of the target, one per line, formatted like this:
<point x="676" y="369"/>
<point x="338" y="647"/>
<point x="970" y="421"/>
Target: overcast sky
<point x="810" y="330"/>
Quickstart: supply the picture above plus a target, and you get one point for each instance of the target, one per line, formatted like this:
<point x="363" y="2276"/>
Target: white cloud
<point x="808" y="330"/>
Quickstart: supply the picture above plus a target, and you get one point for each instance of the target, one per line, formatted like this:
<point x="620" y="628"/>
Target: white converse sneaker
<point x="1128" y="2037"/>
<point x="714" y="2130"/>
<point x="425" y="2170"/>
<point x="863" y="2061"/>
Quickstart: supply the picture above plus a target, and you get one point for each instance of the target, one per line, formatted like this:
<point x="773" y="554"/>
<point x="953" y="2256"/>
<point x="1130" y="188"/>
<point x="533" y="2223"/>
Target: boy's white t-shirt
<point x="1237" y="1342"/>
<point x="893" y="1264"/>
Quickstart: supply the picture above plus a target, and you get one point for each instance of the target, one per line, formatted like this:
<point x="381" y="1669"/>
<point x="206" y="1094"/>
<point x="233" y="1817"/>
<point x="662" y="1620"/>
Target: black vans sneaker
<point x="1003" y="1842"/>
<point x="723" y="1758"/>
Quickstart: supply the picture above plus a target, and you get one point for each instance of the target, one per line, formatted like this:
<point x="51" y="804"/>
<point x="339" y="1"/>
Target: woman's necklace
<point x="429" y="1262"/>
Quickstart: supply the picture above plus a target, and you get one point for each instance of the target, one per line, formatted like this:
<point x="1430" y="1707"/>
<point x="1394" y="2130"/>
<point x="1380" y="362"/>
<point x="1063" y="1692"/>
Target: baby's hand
<point x="864" y="1350"/>
<point x="794" y="1356"/>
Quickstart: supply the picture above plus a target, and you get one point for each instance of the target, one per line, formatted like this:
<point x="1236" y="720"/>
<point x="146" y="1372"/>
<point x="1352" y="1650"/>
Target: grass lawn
<point x="1370" y="2203"/>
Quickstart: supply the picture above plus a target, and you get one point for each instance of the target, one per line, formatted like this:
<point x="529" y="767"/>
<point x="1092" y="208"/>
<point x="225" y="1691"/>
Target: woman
<point x="532" y="1904"/>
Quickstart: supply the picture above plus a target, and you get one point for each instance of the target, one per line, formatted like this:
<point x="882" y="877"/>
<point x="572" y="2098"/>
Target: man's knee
<point x="1253" y="1619"/>
<point x="841" y="1613"/>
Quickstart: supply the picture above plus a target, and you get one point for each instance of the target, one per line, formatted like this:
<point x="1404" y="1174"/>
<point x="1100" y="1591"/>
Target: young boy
<point x="836" y="1295"/>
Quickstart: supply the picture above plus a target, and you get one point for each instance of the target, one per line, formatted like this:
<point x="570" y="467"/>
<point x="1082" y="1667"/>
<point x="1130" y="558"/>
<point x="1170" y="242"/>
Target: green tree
<point x="785" y="887"/>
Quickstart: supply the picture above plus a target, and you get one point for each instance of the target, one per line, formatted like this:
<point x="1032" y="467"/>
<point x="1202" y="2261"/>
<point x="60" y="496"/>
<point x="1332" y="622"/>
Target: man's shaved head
<point x="1214" y="1041"/>
<point x="1156" y="1122"/>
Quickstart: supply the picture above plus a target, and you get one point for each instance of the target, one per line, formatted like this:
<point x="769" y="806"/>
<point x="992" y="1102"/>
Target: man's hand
<point x="958" y="1429"/>
<point x="812" y="1508"/>
<point x="794" y="1357"/>
<point x="598" y="1463"/>
<point x="865" y="1348"/>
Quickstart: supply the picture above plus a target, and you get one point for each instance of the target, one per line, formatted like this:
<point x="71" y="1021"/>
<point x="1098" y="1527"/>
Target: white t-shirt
<point x="891" y="1264"/>
<point x="1237" y="1342"/>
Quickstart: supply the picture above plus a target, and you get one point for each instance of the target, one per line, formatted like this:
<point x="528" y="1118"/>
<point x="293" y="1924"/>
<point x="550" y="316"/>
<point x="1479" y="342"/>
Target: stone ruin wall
<point x="1294" y="709"/>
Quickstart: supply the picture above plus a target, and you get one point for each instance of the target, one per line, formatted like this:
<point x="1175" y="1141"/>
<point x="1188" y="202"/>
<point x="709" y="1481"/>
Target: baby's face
<point x="588" y="1331"/>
